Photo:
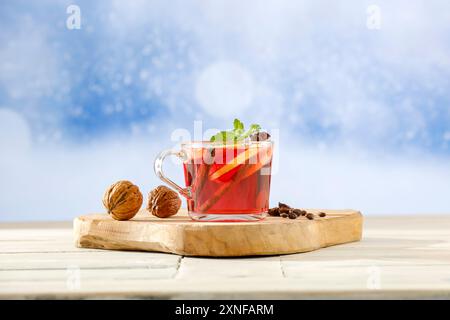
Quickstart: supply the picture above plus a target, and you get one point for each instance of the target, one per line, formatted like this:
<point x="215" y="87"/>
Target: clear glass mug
<point x="224" y="182"/>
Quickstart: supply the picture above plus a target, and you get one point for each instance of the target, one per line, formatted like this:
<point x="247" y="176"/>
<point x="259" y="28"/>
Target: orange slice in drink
<point x="241" y="158"/>
<point x="264" y="159"/>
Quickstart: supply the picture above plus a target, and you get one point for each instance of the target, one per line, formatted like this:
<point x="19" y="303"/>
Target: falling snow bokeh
<point x="363" y="114"/>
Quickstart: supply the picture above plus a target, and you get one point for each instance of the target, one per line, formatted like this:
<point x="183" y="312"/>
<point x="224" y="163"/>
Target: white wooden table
<point x="399" y="257"/>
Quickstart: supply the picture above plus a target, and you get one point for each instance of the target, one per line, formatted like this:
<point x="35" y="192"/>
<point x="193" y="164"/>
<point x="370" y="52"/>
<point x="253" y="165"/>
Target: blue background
<point x="361" y="114"/>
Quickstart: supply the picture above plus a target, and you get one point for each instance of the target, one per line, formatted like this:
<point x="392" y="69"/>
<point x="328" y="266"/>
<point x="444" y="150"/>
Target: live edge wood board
<point x="180" y="235"/>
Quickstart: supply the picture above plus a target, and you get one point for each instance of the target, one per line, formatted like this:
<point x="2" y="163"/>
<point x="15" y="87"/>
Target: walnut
<point x="163" y="202"/>
<point x="122" y="200"/>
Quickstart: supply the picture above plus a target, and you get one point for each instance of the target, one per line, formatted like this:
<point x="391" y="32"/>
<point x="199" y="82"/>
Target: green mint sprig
<point x="237" y="134"/>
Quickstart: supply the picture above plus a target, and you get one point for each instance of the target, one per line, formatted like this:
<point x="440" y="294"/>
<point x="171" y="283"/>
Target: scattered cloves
<point x="292" y="215"/>
<point x="310" y="216"/>
<point x="274" y="212"/>
<point x="285" y="211"/>
<point x="283" y="205"/>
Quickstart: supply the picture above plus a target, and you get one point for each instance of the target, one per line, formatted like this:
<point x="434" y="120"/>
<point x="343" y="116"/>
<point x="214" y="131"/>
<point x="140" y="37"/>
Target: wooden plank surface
<point x="398" y="257"/>
<point x="179" y="234"/>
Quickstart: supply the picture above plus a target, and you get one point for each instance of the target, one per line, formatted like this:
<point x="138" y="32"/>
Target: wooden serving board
<point x="180" y="235"/>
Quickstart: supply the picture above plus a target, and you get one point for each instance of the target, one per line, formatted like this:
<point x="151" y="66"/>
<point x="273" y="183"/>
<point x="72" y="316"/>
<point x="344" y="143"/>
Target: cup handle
<point x="186" y="192"/>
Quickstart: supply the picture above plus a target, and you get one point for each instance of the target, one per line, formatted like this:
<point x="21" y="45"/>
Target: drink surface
<point x="229" y="179"/>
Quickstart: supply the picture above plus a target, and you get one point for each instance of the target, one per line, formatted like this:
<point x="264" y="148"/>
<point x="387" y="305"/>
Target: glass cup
<point x="224" y="182"/>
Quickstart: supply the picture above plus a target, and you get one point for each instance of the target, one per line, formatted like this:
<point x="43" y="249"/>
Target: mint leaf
<point x="224" y="137"/>
<point x="238" y="125"/>
<point x="254" y="128"/>
<point x="238" y="128"/>
<point x="237" y="134"/>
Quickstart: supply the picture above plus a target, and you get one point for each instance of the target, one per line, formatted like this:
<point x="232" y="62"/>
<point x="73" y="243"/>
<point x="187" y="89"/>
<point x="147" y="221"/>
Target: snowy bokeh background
<point x="363" y="113"/>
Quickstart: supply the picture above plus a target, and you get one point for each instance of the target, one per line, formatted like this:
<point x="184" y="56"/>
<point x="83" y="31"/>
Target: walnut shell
<point x="122" y="200"/>
<point x="163" y="202"/>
